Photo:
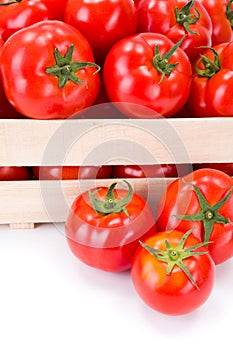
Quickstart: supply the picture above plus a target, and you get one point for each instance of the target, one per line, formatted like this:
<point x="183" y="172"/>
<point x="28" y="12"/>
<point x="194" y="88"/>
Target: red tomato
<point x="212" y="83"/>
<point x="169" y="276"/>
<point x="143" y="71"/>
<point x="104" y="226"/>
<point x="7" y="111"/>
<point x="176" y="18"/>
<point x="55" y="76"/>
<point x="14" y="173"/>
<point x="225" y="167"/>
<point x="220" y="12"/>
<point x="71" y="172"/>
<point x="18" y="14"/>
<point x="103" y="22"/>
<point x="57" y="8"/>
<point x="154" y="171"/>
<point x="202" y="199"/>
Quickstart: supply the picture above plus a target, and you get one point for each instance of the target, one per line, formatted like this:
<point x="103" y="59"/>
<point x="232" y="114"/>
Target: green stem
<point x="65" y="69"/>
<point x="211" y="66"/>
<point x="161" y="63"/>
<point x="229" y="13"/>
<point x="185" y="18"/>
<point x="175" y="256"/>
<point x="111" y="204"/>
<point x="208" y="214"/>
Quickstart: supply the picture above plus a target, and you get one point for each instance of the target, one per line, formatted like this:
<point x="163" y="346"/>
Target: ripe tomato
<point x="143" y="71"/>
<point x="18" y="14"/>
<point x="202" y="199"/>
<point x="221" y="14"/>
<point x="154" y="171"/>
<point x="176" y="18"/>
<point x="103" y="22"/>
<point x="71" y="172"/>
<point x="173" y="273"/>
<point x="56" y="8"/>
<point x="55" y="76"/>
<point x="104" y="226"/>
<point x="14" y="173"/>
<point x="212" y="83"/>
<point x="225" y="167"/>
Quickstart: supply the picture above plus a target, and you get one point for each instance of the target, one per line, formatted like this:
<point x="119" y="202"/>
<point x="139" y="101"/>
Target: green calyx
<point x="208" y="214"/>
<point x="111" y="204"/>
<point x="161" y="63"/>
<point x="229" y="13"/>
<point x="211" y="66"/>
<point x="65" y="69"/>
<point x="174" y="256"/>
<point x="185" y="18"/>
<point x="10" y="2"/>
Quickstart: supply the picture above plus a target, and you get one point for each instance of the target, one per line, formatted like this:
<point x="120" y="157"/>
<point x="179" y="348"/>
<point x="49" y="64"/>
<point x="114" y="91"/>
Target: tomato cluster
<point x="171" y="248"/>
<point x="151" y="59"/>
<point x="58" y="58"/>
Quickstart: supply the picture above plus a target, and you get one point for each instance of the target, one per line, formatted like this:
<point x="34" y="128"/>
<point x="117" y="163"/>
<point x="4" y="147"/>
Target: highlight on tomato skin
<point x="170" y="279"/>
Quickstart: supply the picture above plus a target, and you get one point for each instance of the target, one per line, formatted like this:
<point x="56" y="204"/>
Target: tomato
<point x="103" y="22"/>
<point x="148" y="75"/>
<point x="71" y="172"/>
<point x="212" y="83"/>
<point x="104" y="226"/>
<point x="202" y="199"/>
<point x="7" y="111"/>
<point x="18" y="14"/>
<point x="154" y="171"/>
<point x="221" y="14"/>
<point x="55" y="77"/>
<point x="225" y="167"/>
<point x="176" y="18"/>
<point x="56" y="8"/>
<point x="14" y="173"/>
<point x="172" y="273"/>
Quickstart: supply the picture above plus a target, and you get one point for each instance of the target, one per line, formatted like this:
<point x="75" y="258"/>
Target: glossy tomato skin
<point x="172" y="294"/>
<point x="36" y="93"/>
<point x="18" y="15"/>
<point x="222" y="31"/>
<point x="212" y="96"/>
<point x="103" y="22"/>
<point x="153" y="171"/>
<point x="180" y="198"/>
<point x="131" y="78"/>
<point x="71" y="172"/>
<point x="159" y="16"/>
<point x="14" y="173"/>
<point x="107" y="242"/>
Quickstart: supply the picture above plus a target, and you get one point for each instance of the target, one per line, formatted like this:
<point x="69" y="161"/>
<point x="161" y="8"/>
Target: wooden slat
<point x="93" y="142"/>
<point x="49" y="201"/>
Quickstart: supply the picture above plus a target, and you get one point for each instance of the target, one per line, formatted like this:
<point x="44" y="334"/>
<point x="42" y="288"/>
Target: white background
<point x="51" y="301"/>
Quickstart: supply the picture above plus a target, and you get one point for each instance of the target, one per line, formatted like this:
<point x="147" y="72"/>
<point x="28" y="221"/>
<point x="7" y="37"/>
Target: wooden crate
<point x="94" y="142"/>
